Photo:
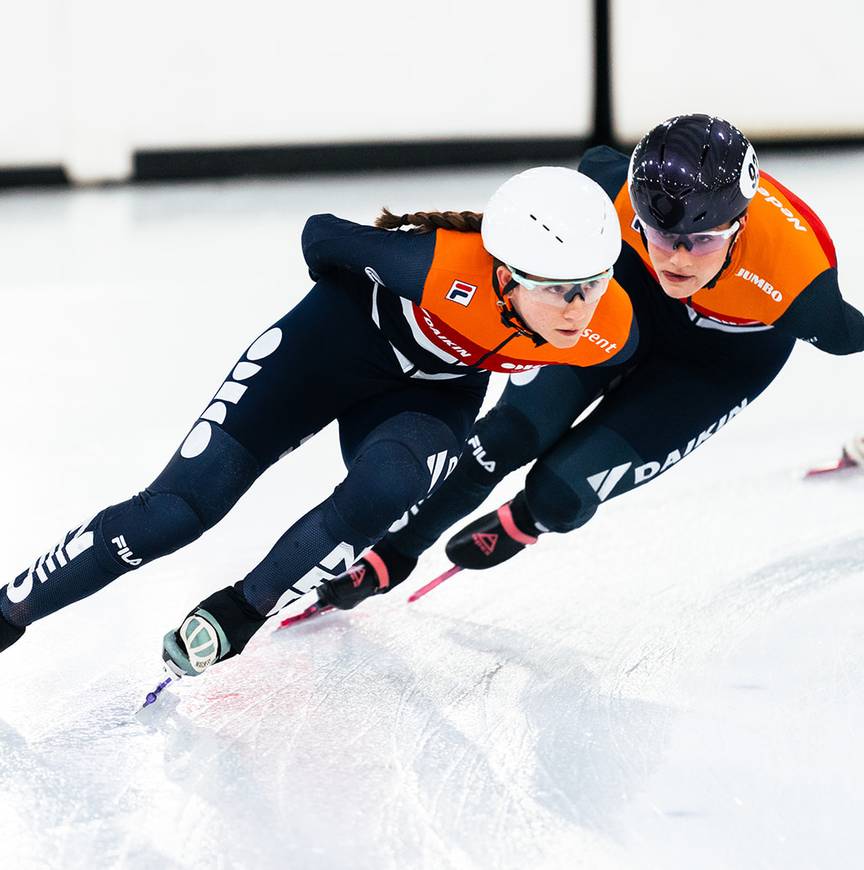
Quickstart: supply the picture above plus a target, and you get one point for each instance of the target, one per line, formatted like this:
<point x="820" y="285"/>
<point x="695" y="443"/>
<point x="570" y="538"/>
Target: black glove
<point x="382" y="568"/>
<point x="493" y="538"/>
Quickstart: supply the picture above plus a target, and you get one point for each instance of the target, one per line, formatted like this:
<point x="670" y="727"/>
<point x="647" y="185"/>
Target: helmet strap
<point x="726" y="262"/>
<point x="509" y="315"/>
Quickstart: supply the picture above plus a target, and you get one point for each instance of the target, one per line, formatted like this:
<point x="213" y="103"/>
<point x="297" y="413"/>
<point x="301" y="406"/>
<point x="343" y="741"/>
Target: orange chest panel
<point x="459" y="313"/>
<point x="782" y="249"/>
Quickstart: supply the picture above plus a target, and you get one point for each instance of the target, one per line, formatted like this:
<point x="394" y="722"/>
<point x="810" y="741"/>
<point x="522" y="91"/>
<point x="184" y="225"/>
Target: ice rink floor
<point x="679" y="684"/>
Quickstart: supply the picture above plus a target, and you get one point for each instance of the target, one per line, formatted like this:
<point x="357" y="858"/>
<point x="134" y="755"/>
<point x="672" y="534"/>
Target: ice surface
<point x="677" y="685"/>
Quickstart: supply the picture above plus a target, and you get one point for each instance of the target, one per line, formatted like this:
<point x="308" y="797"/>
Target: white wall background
<point x="774" y="68"/>
<point x="95" y="80"/>
<point x="85" y="84"/>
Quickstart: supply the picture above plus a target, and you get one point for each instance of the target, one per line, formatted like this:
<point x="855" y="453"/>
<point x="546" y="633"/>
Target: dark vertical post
<point x="603" y="133"/>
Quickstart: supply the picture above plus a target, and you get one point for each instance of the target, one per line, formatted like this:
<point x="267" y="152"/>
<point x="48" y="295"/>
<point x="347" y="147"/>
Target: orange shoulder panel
<point x="783" y="248"/>
<point x="459" y="290"/>
<point x="459" y="310"/>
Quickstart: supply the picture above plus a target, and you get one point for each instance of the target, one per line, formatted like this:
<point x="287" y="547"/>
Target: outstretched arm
<point x="822" y="317"/>
<point x="395" y="259"/>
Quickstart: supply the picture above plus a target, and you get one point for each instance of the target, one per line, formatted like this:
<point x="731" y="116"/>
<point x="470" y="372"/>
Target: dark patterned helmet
<point x="692" y="173"/>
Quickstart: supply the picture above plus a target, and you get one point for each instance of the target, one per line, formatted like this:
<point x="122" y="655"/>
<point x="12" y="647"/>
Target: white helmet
<point x="552" y="222"/>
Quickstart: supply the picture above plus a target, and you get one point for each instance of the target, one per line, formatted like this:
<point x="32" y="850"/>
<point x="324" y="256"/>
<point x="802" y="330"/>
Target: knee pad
<point x="502" y="441"/>
<point x="146" y="527"/>
<point x="399" y="463"/>
<point x="116" y="541"/>
<point x="555" y="504"/>
<point x="212" y="480"/>
<point x="191" y="495"/>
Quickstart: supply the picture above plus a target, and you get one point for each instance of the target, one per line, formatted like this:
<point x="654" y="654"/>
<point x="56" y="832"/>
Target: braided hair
<point x="427" y="221"/>
<point x="463" y="222"/>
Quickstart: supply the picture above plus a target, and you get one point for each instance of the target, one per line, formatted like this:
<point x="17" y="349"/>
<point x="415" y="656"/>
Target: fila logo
<point x="485" y="542"/>
<point x="461" y="292"/>
<point x="124" y="552"/>
<point x="480" y="454"/>
<point x="604" y="482"/>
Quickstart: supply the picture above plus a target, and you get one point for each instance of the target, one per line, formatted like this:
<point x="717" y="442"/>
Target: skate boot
<point x="493" y="538"/>
<point x="853" y="451"/>
<point x="382" y="568"/>
<point x="217" y="629"/>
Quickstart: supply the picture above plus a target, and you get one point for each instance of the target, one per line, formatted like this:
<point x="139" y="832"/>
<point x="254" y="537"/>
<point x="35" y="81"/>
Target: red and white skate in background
<point x="851" y="459"/>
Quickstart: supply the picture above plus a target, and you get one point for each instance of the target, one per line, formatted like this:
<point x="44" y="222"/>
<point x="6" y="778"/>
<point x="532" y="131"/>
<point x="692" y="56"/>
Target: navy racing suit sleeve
<point x="396" y="259"/>
<point x="607" y="167"/>
<point x="822" y="317"/>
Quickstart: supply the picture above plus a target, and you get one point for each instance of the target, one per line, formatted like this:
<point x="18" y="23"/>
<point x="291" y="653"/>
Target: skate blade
<point x="310" y="612"/>
<point x="844" y="463"/>
<point x="425" y="590"/>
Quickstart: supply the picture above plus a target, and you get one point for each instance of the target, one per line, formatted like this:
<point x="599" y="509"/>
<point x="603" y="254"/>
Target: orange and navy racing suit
<point x="395" y="342"/>
<point x="701" y="361"/>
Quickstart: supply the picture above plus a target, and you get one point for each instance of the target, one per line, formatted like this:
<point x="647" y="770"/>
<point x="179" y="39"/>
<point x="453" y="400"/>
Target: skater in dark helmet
<point x="726" y="268"/>
<point x="395" y="341"/>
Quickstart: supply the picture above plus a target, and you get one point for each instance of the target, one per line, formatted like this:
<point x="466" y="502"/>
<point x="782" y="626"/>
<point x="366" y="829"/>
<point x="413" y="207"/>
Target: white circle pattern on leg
<point x="216" y="412"/>
<point x="244" y="370"/>
<point x="199" y="438"/>
<point x="265" y="345"/>
<point x="196" y="441"/>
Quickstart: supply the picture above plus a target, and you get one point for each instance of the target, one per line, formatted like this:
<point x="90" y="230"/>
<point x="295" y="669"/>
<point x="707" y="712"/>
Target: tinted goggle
<point x="562" y="293"/>
<point x="698" y="244"/>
